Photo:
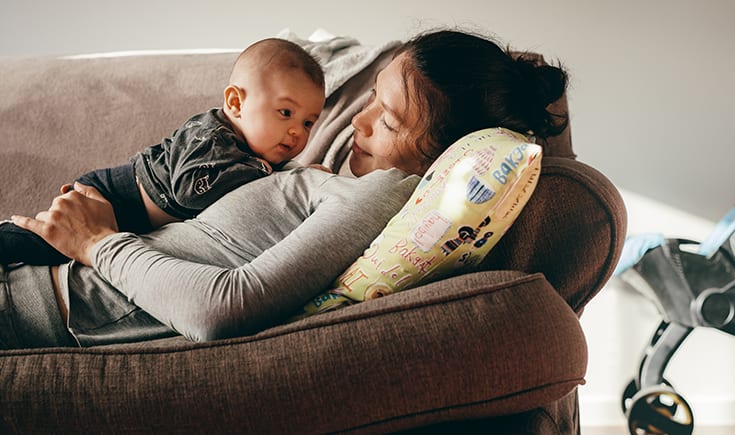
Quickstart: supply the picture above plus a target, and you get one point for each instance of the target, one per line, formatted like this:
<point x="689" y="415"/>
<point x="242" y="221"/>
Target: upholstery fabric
<point x="568" y="192"/>
<point x="380" y="364"/>
<point x="62" y="117"/>
<point x="558" y="417"/>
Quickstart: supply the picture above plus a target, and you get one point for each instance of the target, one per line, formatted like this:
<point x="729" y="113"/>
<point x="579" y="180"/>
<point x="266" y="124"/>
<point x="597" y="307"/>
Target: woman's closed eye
<point x="383" y="122"/>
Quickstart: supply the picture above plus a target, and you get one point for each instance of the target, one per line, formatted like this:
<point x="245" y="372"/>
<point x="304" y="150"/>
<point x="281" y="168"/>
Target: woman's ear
<point x="234" y="96"/>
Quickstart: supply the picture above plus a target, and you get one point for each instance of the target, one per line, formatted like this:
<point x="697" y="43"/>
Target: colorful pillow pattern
<point x="463" y="205"/>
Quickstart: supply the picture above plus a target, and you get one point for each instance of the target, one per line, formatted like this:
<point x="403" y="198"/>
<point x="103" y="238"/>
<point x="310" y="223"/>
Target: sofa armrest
<point x="478" y="345"/>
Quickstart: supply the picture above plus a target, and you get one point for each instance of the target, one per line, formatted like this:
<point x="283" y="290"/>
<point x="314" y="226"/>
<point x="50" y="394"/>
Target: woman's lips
<point x="357" y="150"/>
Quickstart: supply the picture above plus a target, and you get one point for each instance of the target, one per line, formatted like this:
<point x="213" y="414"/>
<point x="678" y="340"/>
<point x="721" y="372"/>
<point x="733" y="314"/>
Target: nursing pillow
<point x="463" y="205"/>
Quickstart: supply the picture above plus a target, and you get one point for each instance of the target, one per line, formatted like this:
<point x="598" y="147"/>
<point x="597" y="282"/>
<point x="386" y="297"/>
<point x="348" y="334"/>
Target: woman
<point x="232" y="271"/>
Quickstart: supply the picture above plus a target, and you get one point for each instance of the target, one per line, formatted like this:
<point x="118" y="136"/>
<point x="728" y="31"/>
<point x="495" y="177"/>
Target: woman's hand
<point x="76" y="220"/>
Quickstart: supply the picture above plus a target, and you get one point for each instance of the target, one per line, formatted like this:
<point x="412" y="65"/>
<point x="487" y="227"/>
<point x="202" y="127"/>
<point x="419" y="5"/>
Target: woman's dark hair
<point x="470" y="83"/>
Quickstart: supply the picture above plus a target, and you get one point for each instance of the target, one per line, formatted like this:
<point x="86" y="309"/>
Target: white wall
<point x="652" y="99"/>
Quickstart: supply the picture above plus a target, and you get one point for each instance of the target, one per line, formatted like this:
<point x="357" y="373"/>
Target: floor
<point x="704" y="430"/>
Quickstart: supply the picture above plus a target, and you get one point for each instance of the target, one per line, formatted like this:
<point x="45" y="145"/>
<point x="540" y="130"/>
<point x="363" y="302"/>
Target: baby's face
<point x="277" y="112"/>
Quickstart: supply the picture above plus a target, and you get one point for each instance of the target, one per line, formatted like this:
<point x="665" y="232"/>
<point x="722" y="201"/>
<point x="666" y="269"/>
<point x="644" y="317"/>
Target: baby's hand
<point x="320" y="167"/>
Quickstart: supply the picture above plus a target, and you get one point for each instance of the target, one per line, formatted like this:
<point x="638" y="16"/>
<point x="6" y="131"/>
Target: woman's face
<point x="385" y="124"/>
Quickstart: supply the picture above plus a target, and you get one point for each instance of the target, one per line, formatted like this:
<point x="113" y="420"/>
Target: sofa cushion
<point x="465" y="347"/>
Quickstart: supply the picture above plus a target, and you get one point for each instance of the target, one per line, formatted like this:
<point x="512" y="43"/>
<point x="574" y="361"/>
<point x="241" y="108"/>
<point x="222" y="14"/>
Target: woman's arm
<point x="204" y="302"/>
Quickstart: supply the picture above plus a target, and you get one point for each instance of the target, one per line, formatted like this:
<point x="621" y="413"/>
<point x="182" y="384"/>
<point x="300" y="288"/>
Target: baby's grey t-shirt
<point x="245" y="263"/>
<point x="201" y="161"/>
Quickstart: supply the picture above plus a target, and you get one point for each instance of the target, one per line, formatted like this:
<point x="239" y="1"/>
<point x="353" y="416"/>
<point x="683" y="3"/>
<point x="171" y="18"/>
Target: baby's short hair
<point x="279" y="53"/>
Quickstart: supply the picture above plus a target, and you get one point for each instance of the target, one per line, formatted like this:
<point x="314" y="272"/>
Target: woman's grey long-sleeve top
<point x="245" y="263"/>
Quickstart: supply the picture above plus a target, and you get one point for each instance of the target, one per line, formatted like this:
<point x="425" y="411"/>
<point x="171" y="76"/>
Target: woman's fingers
<point x="89" y="191"/>
<point x="74" y="222"/>
<point x="29" y="224"/>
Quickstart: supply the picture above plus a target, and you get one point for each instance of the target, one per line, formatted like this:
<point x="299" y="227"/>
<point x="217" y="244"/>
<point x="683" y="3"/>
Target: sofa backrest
<point x="62" y="117"/>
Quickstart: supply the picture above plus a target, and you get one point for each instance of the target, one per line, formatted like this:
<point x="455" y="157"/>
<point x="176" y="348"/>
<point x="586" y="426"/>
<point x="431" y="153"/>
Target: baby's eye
<point x="285" y="112"/>
<point x="308" y="124"/>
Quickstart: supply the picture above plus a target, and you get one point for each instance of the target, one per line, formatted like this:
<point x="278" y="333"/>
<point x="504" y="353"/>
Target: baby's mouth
<point x="285" y="147"/>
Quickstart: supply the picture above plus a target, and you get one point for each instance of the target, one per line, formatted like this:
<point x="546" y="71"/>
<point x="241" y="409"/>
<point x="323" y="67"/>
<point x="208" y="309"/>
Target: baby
<point x="274" y="97"/>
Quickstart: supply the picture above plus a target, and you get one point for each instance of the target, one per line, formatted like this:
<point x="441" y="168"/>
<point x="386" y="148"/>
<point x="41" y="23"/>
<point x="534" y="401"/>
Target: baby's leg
<point x="18" y="245"/>
<point x="119" y="186"/>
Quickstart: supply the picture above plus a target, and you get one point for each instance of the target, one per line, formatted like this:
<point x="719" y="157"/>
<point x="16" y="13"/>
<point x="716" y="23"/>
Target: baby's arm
<point x="196" y="184"/>
<point x="205" y="159"/>
<point x="156" y="216"/>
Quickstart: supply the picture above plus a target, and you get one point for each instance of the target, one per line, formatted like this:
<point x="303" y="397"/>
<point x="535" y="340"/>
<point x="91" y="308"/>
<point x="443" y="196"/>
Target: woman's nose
<point x="359" y="122"/>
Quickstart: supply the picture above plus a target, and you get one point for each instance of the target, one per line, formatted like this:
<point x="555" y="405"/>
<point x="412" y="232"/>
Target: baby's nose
<point x="295" y="130"/>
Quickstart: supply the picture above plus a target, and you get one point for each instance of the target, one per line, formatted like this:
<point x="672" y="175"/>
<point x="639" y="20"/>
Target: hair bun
<point x="543" y="84"/>
<point x="546" y="81"/>
<point x="552" y="82"/>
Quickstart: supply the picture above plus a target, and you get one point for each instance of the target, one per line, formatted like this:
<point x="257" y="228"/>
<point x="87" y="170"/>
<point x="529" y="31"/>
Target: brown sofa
<point x="499" y="350"/>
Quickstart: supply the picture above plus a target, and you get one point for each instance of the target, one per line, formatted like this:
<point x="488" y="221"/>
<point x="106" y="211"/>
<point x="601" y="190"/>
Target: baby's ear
<point x="234" y="97"/>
